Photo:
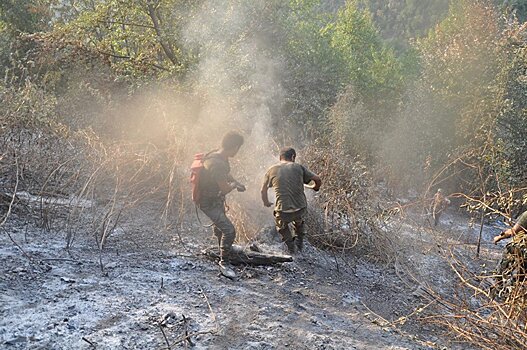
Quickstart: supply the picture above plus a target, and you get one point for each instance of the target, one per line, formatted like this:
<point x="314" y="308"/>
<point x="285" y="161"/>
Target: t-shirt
<point x="288" y="179"/>
<point x="520" y="236"/>
<point x="215" y="168"/>
<point x="522" y="220"/>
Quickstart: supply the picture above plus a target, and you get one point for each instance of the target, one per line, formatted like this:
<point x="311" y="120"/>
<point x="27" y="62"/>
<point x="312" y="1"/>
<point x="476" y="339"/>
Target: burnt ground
<point x="155" y="289"/>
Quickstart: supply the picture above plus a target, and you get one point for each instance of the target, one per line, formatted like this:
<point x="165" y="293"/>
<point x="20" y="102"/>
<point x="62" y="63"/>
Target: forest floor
<point x="156" y="291"/>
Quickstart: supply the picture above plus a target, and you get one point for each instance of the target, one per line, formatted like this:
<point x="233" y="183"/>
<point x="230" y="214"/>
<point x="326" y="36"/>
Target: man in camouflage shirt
<point x="287" y="178"/>
<point x="514" y="260"/>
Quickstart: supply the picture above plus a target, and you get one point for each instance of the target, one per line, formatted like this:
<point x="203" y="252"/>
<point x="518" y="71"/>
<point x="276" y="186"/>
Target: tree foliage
<point x="512" y="117"/>
<point x="371" y="66"/>
<point x="137" y="37"/>
<point x="23" y="16"/>
<point x="517" y="8"/>
<point x="324" y="67"/>
<point x="453" y="106"/>
<point x="401" y="21"/>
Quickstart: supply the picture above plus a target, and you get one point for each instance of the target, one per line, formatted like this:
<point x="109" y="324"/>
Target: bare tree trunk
<point x="155" y="22"/>
<point x="249" y="257"/>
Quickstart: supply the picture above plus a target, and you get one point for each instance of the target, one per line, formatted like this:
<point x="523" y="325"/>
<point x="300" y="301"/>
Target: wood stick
<point x="165" y="336"/>
<point x="185" y="325"/>
<point x="89" y="342"/>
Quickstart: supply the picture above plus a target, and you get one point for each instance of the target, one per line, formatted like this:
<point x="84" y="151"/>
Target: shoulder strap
<point x="209" y="154"/>
<point x="213" y="154"/>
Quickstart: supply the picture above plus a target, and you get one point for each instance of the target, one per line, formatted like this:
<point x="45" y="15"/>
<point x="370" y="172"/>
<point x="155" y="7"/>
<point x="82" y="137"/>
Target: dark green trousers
<point x="282" y="222"/>
<point x="222" y="227"/>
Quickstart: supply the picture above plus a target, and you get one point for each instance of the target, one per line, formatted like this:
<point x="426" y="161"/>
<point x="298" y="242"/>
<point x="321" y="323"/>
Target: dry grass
<point x="78" y="183"/>
<point x="474" y="314"/>
<point x="347" y="214"/>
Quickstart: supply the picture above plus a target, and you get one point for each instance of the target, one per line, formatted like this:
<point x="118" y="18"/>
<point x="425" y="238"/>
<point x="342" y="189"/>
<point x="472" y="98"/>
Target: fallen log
<point x="239" y="255"/>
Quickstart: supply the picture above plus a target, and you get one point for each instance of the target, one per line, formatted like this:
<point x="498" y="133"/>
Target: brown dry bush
<point x="347" y="213"/>
<point x="127" y="176"/>
<point x="74" y="181"/>
<point x="245" y="225"/>
<point x="481" y="310"/>
<point x="82" y="185"/>
<point x="476" y="315"/>
<point x="39" y="156"/>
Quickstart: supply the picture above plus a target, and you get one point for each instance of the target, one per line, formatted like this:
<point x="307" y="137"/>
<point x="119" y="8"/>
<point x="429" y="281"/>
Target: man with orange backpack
<point x="212" y="181"/>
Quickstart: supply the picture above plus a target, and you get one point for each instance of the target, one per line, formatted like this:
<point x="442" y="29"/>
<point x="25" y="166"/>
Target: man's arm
<point x="225" y="187"/>
<point x="263" y="191"/>
<point x="223" y="179"/>
<point x="507" y="233"/>
<point x="318" y="182"/>
<point x="519" y="226"/>
<point x="220" y="173"/>
<point x="309" y="176"/>
<point x="238" y="185"/>
<point x="265" y="198"/>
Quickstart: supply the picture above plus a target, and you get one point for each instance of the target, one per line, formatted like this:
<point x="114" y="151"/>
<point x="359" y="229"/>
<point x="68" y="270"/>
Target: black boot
<point x="291" y="247"/>
<point x="299" y="241"/>
<point x="226" y="270"/>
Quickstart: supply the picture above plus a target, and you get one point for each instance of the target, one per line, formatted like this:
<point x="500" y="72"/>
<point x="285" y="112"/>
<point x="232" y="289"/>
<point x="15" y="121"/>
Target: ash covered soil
<point x="157" y="291"/>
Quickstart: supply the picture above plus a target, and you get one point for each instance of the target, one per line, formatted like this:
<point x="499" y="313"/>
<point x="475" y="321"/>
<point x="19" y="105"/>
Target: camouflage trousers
<point x="222" y="227"/>
<point x="282" y="222"/>
<point x="512" y="267"/>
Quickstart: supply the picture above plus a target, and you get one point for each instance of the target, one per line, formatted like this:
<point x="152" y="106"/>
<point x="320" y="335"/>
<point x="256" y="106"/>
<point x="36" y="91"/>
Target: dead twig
<point x="89" y="342"/>
<point x="8" y="213"/>
<point x="384" y="323"/>
<point x="165" y="337"/>
<point x="212" y="313"/>
<point x="186" y="322"/>
<point x="190" y="335"/>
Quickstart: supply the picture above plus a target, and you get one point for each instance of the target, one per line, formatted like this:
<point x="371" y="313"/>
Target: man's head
<point x="231" y="143"/>
<point x="288" y="154"/>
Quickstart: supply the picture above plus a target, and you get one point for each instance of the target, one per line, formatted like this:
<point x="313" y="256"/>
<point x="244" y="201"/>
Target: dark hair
<point x="287" y="153"/>
<point x="232" y="140"/>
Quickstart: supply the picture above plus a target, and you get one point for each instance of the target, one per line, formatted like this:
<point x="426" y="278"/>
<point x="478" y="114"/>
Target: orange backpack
<point x="195" y="173"/>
